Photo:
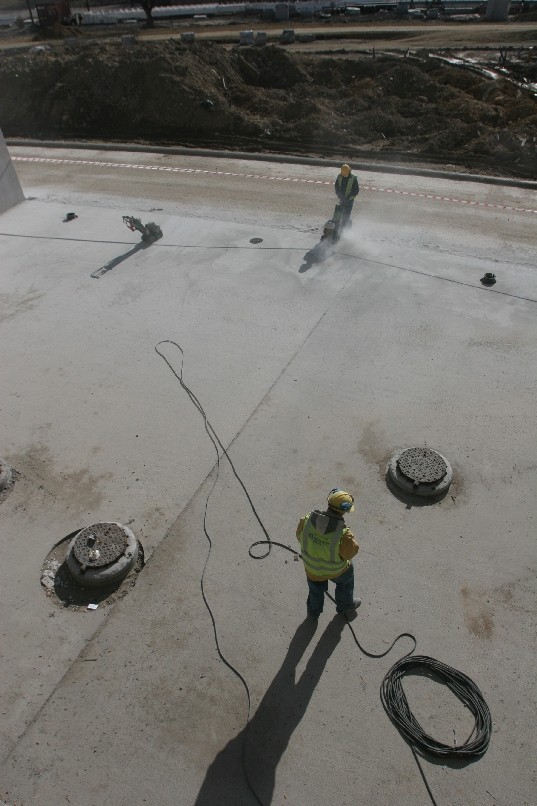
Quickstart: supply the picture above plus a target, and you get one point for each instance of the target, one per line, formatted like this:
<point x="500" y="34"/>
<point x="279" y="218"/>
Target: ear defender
<point x="341" y="500"/>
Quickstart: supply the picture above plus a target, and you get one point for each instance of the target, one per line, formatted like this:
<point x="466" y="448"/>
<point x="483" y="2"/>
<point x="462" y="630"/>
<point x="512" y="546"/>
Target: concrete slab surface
<point x="312" y="372"/>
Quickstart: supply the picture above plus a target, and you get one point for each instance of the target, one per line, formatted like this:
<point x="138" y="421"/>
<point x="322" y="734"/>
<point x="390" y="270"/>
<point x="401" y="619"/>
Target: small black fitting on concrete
<point x="489" y="278"/>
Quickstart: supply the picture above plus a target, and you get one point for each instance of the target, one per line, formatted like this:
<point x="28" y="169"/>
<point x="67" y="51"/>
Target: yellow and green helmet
<point x="340" y="500"/>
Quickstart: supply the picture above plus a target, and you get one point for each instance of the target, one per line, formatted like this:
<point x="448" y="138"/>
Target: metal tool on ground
<point x="150" y="232"/>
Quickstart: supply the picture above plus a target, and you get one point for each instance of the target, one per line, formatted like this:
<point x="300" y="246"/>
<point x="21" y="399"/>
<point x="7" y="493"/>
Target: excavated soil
<point x="394" y="106"/>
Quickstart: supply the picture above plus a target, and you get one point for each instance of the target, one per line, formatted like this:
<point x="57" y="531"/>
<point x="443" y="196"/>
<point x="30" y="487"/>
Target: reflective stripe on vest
<point x="320" y="547"/>
<point x="350" y="184"/>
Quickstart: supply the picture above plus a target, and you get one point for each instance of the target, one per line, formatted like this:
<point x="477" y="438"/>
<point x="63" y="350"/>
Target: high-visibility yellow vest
<point x="319" y="543"/>
<point x="349" y="186"/>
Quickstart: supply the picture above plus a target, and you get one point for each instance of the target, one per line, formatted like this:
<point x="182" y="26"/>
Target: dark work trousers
<point x="346" y="210"/>
<point x="344" y="593"/>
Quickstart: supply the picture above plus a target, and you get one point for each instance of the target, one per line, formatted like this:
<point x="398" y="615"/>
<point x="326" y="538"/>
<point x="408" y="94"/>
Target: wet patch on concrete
<point x="497" y="345"/>
<point x="372" y="444"/>
<point x="458" y="494"/>
<point x="519" y="595"/>
<point x="477" y="616"/>
<point x="11" y="305"/>
<point x="130" y="293"/>
<point x="346" y="479"/>
<point x="80" y="488"/>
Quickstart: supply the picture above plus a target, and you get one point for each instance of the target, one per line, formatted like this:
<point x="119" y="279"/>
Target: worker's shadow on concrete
<point x="318" y="254"/>
<point x="264" y="741"/>
<point x="117" y="260"/>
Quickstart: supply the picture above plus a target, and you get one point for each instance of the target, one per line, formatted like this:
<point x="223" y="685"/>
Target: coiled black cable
<point x="396" y="706"/>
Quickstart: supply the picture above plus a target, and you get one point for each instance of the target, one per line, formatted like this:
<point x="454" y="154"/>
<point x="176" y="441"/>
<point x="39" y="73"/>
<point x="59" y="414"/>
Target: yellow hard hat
<point x="340" y="500"/>
<point x="345" y="170"/>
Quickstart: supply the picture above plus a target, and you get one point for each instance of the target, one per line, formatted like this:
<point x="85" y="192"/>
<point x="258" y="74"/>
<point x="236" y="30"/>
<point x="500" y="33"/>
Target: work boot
<point x="350" y="611"/>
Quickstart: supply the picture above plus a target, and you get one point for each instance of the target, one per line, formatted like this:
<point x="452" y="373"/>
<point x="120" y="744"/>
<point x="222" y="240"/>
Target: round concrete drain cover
<point x="67" y="585"/>
<point x="100" y="545"/>
<point x="102" y="554"/>
<point x="420" y="471"/>
<point x="422" y="465"/>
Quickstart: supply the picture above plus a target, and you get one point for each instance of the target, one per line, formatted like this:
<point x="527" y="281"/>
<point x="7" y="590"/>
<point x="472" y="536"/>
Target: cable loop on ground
<point x="396" y="706"/>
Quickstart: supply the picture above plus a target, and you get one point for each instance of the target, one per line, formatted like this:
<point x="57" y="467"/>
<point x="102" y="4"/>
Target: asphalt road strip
<point x="168" y="169"/>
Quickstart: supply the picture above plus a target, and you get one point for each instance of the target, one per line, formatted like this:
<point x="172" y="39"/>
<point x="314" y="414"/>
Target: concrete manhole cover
<point x="420" y="471"/>
<point x="101" y="554"/>
<point x="95" y="565"/>
<point x="100" y="545"/>
<point x="422" y="465"/>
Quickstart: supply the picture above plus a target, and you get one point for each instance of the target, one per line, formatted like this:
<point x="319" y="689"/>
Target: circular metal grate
<point x="100" y="544"/>
<point x="422" y="465"/>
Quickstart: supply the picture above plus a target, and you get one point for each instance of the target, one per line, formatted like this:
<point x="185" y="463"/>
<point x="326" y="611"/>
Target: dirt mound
<point x="56" y="31"/>
<point x="268" y="99"/>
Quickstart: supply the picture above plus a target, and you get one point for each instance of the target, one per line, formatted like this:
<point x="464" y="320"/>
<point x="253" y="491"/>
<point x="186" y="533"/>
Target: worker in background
<point x="327" y="548"/>
<point x="347" y="189"/>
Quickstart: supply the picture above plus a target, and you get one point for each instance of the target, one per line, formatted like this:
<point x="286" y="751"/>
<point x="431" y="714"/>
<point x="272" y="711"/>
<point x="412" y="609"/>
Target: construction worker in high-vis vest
<point x="347" y="189"/>
<point x="327" y="548"/>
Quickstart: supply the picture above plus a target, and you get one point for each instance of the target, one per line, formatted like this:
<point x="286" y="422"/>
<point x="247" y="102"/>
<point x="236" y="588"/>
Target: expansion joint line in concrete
<point x="220" y="452"/>
<point x="290" y="361"/>
<point x="292" y="180"/>
<point x="64" y="677"/>
<point x="437" y="277"/>
<point x="261" y="401"/>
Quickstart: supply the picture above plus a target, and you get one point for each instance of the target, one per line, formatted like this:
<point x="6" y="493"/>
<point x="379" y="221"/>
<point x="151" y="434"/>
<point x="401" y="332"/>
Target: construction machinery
<point x="334" y="227"/>
<point x="150" y="232"/>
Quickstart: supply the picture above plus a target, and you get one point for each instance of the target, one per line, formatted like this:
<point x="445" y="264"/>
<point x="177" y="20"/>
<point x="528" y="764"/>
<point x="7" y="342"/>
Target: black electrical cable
<point x="396" y="706"/>
<point x="356" y="641"/>
<point x="211" y="433"/>
<point x="391" y="692"/>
